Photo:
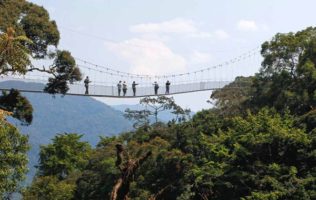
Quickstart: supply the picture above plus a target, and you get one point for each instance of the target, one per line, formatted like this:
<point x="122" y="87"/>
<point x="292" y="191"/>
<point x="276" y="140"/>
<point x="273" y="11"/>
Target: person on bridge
<point x="134" y="88"/>
<point x="168" y="87"/>
<point x="124" y="88"/>
<point x="156" y="87"/>
<point x="119" y="87"/>
<point x="86" y="84"/>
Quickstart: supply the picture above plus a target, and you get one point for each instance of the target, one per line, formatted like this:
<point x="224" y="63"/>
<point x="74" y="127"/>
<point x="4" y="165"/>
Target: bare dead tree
<point x="160" y="192"/>
<point x="128" y="169"/>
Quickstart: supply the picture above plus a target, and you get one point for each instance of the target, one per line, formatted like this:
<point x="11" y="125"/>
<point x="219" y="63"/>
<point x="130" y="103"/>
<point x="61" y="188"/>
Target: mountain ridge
<point x="60" y="114"/>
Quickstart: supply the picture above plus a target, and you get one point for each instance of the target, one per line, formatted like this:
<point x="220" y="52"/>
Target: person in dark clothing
<point x="86" y="84"/>
<point x="134" y="88"/>
<point x="124" y="88"/>
<point x="156" y="87"/>
<point x="119" y="87"/>
<point x="168" y="87"/>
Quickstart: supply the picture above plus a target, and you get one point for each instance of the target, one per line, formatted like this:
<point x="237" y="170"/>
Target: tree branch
<point x="128" y="168"/>
<point x="160" y="192"/>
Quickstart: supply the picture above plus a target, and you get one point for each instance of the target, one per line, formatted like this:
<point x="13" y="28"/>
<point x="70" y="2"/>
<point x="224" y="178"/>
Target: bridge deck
<point x="112" y="91"/>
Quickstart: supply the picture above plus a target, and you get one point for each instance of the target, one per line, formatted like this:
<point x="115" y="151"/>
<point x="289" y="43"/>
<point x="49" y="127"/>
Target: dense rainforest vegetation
<point x="257" y="142"/>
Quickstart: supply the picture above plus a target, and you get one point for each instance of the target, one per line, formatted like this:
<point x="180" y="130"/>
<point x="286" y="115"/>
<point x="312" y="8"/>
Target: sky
<point x="173" y="36"/>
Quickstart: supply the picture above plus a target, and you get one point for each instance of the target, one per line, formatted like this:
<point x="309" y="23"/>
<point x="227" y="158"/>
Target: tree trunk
<point x="115" y="189"/>
<point x="128" y="168"/>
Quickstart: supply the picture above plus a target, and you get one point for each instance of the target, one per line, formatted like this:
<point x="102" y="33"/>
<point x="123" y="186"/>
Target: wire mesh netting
<point x="28" y="85"/>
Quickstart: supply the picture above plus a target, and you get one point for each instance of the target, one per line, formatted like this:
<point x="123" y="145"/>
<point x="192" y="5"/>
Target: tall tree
<point x="157" y="105"/>
<point x="33" y="22"/>
<point x="152" y="107"/>
<point x="287" y="77"/>
<point x="140" y="117"/>
<point x="65" y="155"/>
<point x="13" y="157"/>
<point x="30" y="20"/>
<point x="27" y="32"/>
<point x="127" y="167"/>
<point x="284" y="51"/>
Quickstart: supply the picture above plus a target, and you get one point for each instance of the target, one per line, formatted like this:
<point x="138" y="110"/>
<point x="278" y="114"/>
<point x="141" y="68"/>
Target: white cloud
<point x="221" y="34"/>
<point x="149" y="56"/>
<point x="175" y="26"/>
<point x="200" y="35"/>
<point x="171" y="26"/>
<point x="198" y="57"/>
<point x="184" y="27"/>
<point x="247" y="25"/>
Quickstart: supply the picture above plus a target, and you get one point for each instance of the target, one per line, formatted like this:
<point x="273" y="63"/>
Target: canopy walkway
<point x="104" y="80"/>
<point x="112" y="91"/>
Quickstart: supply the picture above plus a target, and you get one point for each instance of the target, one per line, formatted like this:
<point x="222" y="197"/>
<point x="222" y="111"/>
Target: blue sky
<point x="173" y="36"/>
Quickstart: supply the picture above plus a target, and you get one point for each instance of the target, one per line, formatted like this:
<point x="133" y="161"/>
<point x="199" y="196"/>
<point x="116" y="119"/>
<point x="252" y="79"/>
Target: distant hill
<point x="58" y="114"/>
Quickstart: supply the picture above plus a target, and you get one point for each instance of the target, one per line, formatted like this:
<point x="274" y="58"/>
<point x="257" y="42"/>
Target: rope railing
<point x="112" y="91"/>
<point x="113" y="72"/>
<point x="104" y="80"/>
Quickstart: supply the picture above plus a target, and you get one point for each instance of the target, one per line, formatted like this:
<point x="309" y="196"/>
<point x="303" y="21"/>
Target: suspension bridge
<point x="104" y="80"/>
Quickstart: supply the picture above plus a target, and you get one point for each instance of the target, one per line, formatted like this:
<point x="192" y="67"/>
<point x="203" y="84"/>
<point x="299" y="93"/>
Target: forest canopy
<point x="258" y="141"/>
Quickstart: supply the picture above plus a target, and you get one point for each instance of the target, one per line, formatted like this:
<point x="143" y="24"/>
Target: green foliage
<point x="36" y="33"/>
<point x="308" y="120"/>
<point x="60" y="166"/>
<point x="13" y="158"/>
<point x="100" y="174"/>
<point x="154" y="106"/>
<point x="32" y="21"/>
<point x="288" y="75"/>
<point x="265" y="152"/>
<point x="284" y="51"/>
<point x="14" y="55"/>
<point x="255" y="156"/>
<point x="65" y="155"/>
<point x="18" y="105"/>
<point x="208" y="121"/>
<point x="258" y="142"/>
<point x="231" y="99"/>
<point x="65" y="71"/>
<point x="49" y="188"/>
<point x="141" y="117"/>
